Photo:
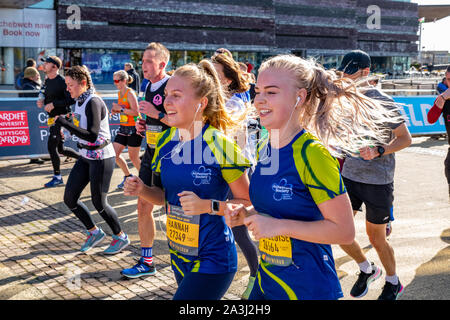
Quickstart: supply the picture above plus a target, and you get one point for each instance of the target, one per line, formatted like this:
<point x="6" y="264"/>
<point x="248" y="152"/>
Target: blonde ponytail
<point x="336" y="110"/>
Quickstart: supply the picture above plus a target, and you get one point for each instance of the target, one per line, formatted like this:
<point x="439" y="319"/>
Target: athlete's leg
<point x="120" y="161"/>
<point x="146" y="223"/>
<point x="377" y="237"/>
<point x="354" y="250"/>
<point x="78" y="180"/>
<point x="100" y="173"/>
<point x="52" y="146"/>
<point x="133" y="153"/>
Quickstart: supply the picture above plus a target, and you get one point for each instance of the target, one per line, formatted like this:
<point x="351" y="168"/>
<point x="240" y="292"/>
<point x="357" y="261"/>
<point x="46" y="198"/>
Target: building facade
<point x="104" y="34"/>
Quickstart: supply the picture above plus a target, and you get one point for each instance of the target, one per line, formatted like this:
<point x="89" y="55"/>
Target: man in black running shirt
<point x="57" y="101"/>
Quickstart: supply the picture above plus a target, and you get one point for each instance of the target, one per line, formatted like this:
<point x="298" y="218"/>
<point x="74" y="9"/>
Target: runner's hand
<point x="140" y="126"/>
<point x="368" y="153"/>
<point x="148" y="109"/>
<point x="446" y="94"/>
<point x="261" y="226"/>
<point x="192" y="204"/>
<point x="235" y="214"/>
<point x="440" y="101"/>
<point x="49" y="107"/>
<point x="115" y="108"/>
<point x="133" y="186"/>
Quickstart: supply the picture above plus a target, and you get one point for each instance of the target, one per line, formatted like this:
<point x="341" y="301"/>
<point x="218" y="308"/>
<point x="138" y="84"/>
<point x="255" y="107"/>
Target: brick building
<point x="111" y="32"/>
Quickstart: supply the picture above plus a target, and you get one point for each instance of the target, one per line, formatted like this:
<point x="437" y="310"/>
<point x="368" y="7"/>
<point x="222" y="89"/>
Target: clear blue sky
<point x="435" y="34"/>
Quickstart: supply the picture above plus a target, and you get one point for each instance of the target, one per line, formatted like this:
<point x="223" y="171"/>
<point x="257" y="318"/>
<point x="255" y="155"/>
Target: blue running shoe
<point x="139" y="270"/>
<point x="117" y="244"/>
<point x="54" y="182"/>
<point x="92" y="240"/>
<point x="122" y="184"/>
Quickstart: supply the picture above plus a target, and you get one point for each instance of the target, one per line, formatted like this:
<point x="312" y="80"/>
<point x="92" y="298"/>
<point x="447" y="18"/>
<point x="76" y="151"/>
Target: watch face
<point x="380" y="150"/>
<point x="216" y="205"/>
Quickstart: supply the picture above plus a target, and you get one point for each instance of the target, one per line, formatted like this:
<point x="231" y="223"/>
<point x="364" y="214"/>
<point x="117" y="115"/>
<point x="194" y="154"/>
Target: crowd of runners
<point x="286" y="159"/>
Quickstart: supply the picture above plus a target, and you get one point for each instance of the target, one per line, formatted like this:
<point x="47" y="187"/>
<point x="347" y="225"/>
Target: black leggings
<point x="98" y="173"/>
<point x="56" y="145"/>
<point x="447" y="168"/>
<point x="248" y="248"/>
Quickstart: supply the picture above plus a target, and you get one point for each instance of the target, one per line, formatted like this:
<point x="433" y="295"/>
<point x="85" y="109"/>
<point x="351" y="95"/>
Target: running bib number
<point x="76" y="119"/>
<point x="182" y="231"/>
<point x="50" y="121"/>
<point x="276" y="250"/>
<point x="123" y="118"/>
<point x="152" y="135"/>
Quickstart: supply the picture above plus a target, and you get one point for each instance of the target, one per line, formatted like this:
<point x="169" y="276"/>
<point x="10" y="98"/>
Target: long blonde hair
<point x="336" y="110"/>
<point x="204" y="79"/>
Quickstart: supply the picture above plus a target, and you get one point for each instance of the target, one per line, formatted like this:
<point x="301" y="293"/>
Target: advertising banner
<point x="24" y="130"/>
<point x="31" y="28"/>
<point x="416" y="108"/>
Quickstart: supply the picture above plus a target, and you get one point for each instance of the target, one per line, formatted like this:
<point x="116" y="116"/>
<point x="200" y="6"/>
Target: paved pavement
<point x="40" y="238"/>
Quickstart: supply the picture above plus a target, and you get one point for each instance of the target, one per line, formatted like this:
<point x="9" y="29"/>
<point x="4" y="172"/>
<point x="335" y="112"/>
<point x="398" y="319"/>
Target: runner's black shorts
<point x="378" y="199"/>
<point x="128" y="139"/>
<point x="146" y="174"/>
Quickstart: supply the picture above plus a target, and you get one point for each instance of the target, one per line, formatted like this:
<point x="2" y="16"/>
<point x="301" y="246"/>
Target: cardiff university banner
<point x="24" y="130"/>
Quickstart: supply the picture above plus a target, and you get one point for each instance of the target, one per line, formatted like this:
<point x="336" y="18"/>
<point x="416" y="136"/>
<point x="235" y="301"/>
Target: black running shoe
<point x="391" y="291"/>
<point x="361" y="285"/>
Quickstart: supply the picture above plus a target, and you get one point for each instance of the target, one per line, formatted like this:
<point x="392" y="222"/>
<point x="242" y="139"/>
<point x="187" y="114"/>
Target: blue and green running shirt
<point x="305" y="175"/>
<point x="205" y="165"/>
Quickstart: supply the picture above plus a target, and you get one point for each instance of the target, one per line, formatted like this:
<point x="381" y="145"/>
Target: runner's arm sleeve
<point x="94" y="114"/>
<point x="434" y="113"/>
<point x="319" y="172"/>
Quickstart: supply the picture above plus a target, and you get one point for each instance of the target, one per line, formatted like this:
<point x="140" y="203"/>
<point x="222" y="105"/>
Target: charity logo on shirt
<point x="282" y="190"/>
<point x="201" y="176"/>
<point x="157" y="100"/>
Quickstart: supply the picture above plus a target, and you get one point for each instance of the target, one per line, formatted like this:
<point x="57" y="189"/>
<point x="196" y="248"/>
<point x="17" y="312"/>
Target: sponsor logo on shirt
<point x="157" y="100"/>
<point x="201" y="176"/>
<point x="282" y="190"/>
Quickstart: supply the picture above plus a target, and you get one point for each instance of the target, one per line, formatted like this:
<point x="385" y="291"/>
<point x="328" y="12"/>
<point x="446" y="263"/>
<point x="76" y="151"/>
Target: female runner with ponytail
<point x="97" y="161"/>
<point x="195" y="165"/>
<point x="299" y="202"/>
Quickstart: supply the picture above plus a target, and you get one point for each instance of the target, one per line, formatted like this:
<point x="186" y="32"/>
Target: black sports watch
<point x="380" y="151"/>
<point x="214" y="207"/>
<point x="161" y="115"/>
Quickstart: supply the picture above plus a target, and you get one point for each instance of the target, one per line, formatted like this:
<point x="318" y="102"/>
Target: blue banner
<point x="103" y="65"/>
<point x="416" y="109"/>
